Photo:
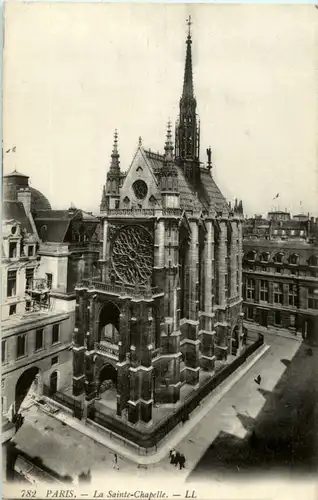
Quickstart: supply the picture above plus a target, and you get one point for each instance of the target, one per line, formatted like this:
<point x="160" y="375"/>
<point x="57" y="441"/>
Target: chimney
<point x="24" y="195"/>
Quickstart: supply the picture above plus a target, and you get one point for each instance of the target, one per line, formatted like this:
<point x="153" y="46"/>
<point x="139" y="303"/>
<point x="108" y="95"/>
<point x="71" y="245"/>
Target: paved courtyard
<point x="281" y="410"/>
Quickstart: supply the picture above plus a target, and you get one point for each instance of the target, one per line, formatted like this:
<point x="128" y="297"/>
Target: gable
<point x="140" y="187"/>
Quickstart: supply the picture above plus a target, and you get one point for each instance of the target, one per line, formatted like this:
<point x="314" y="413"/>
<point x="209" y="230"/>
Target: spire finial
<point x="140" y="141"/>
<point x="188" y="78"/>
<point x="189" y="23"/>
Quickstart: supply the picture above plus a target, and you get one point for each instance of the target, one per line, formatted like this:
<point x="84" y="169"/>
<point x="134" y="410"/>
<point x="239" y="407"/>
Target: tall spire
<point x="188" y="77"/>
<point x="187" y="148"/>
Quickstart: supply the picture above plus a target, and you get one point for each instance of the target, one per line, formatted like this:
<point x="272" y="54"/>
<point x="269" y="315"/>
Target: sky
<point x="75" y="72"/>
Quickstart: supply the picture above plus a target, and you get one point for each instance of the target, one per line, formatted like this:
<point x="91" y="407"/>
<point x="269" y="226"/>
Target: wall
<point x="12" y="368"/>
<point x="57" y="266"/>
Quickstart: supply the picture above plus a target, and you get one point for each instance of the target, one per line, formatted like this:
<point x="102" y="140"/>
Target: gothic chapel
<point x="167" y="304"/>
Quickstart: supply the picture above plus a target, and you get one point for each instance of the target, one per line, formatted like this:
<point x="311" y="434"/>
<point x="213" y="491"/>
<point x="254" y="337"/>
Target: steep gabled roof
<point x="208" y="194"/>
<point x="209" y="191"/>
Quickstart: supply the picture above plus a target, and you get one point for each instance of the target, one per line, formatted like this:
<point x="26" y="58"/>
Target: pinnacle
<point x="168" y="145"/>
<point x="115" y="154"/>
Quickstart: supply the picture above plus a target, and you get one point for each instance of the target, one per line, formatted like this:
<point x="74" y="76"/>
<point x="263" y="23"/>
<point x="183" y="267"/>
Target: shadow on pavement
<point x="283" y="437"/>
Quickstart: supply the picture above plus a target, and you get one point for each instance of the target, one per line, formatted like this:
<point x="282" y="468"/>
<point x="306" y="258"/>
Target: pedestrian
<point x="258" y="379"/>
<point x="173" y="454"/>
<point x="253" y="439"/>
<point x="115" y="462"/>
<point x="182" y="461"/>
<point x="177" y="459"/>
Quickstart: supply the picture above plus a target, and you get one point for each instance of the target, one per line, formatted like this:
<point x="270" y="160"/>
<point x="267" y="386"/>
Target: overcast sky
<point x="75" y="72"/>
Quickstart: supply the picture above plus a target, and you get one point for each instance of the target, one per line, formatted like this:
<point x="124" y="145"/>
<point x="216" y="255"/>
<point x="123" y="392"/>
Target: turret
<point x="169" y="175"/>
<point x="110" y="195"/>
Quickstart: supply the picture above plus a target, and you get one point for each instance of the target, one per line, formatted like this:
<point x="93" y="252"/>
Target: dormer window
<point x="30" y="250"/>
<point x="251" y="255"/>
<point x="12" y="250"/>
<point x="313" y="261"/>
<point x="278" y="258"/>
<point x="293" y="259"/>
<point x="265" y="257"/>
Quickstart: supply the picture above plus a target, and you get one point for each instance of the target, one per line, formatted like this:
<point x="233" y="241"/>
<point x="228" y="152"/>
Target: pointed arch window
<point x="152" y="200"/>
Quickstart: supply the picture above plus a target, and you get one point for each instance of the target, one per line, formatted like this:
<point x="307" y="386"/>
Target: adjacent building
<point x="168" y="300"/>
<point x="280" y="273"/>
<point x="42" y="258"/>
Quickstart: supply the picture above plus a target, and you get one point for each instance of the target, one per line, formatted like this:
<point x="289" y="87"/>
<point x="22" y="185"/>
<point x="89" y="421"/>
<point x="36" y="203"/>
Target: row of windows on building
<point x="13" y="250"/>
<point x="282" y="270"/>
<point x="21" y="346"/>
<point x="29" y="277"/>
<point x="278" y="293"/>
<point x="288" y="232"/>
<point x="250" y="314"/>
<point x="278" y="258"/>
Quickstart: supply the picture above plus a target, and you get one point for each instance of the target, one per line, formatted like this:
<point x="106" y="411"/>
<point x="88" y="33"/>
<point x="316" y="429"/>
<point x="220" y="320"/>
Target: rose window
<point x="140" y="189"/>
<point x="132" y="255"/>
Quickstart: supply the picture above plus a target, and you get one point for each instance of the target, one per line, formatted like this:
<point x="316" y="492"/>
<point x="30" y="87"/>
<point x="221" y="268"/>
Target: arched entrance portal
<point x="23" y="386"/>
<point x="107" y="378"/>
<point x="108" y="330"/>
<point x="53" y="382"/>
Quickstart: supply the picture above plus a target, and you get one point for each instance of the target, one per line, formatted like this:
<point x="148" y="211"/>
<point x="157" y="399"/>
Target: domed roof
<point x="39" y="201"/>
<point x="14" y="181"/>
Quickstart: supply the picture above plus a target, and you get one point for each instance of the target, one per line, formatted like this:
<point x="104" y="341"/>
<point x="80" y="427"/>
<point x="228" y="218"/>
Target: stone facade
<point x="170" y="276"/>
<point x="280" y="271"/>
<point x="44" y="253"/>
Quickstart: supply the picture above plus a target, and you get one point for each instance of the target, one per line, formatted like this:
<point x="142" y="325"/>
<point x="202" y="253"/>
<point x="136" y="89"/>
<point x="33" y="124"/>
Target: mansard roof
<point x="14" y="210"/>
<point x="208" y="195"/>
<point x="57" y="222"/>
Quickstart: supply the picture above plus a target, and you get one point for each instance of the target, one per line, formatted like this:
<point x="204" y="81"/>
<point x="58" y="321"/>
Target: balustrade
<point x="104" y="349"/>
<point x="119" y="290"/>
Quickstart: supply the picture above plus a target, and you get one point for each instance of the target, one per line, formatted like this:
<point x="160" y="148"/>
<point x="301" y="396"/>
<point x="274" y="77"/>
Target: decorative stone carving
<point x="111" y="231"/>
<point x="132" y="254"/>
<point x="140" y="189"/>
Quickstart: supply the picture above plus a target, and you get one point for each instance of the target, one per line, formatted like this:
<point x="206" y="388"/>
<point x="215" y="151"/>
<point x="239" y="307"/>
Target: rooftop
<point x="24" y="321"/>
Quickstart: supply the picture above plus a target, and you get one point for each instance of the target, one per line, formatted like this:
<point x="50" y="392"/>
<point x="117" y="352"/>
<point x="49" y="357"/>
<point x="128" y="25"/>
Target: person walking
<point x="173" y="454"/>
<point x="115" y="462"/>
<point x="182" y="461"/>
